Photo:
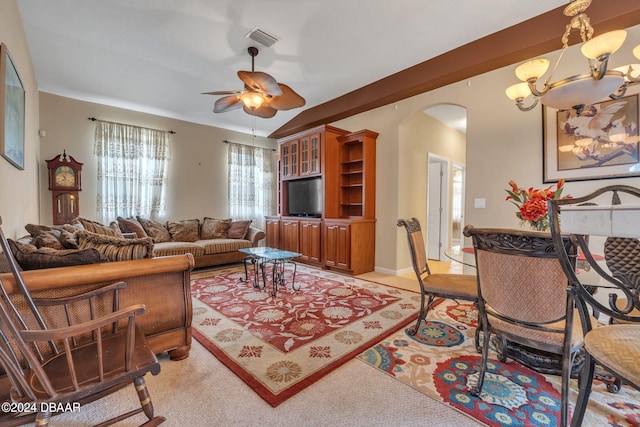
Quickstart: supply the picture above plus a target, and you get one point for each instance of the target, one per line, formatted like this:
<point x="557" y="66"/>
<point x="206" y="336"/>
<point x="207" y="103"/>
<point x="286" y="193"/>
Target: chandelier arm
<point x="599" y="67"/>
<point x="534" y="90"/>
<point x="521" y="107"/>
<point x="620" y="92"/>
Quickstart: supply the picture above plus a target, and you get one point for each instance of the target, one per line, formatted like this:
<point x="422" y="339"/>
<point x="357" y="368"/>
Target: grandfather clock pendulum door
<point x="65" y="184"/>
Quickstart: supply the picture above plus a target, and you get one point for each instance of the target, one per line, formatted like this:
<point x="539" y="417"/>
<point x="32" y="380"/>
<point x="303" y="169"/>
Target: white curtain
<point x="251" y="183"/>
<point x="132" y="171"/>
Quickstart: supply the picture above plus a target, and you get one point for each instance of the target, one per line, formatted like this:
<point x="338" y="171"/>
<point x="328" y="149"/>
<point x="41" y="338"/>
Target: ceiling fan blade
<point x="264" y="111"/>
<point x="227" y="103"/>
<point x="222" y="92"/>
<point x="288" y="100"/>
<point x="261" y="82"/>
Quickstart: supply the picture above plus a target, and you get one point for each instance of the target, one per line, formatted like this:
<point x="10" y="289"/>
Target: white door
<point x="437" y="223"/>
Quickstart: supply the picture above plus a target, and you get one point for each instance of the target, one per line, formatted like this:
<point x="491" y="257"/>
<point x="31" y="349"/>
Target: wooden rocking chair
<point x="86" y="355"/>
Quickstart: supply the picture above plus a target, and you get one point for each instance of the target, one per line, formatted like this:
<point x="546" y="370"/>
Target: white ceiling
<point x="158" y="56"/>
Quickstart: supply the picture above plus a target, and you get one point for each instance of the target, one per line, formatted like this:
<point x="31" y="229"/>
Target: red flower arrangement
<point x="532" y="203"/>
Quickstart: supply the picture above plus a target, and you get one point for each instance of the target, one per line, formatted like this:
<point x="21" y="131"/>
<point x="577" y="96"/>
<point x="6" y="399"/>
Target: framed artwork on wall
<point x="12" y="103"/>
<point x="601" y="143"/>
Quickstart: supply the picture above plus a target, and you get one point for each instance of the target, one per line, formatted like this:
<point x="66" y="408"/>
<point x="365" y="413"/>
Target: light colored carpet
<point x="353" y="395"/>
<point x="201" y="391"/>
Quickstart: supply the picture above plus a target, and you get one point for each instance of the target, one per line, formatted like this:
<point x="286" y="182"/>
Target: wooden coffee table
<point x="260" y="257"/>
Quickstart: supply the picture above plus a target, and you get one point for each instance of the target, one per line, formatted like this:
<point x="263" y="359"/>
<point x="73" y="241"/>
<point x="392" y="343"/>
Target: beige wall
<point x="19" y="188"/>
<point x="197" y="171"/>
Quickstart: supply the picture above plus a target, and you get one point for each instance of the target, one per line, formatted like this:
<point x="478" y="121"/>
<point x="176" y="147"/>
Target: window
<point x="251" y="183"/>
<point x="132" y="170"/>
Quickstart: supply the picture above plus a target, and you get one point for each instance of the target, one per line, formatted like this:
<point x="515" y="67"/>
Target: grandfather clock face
<point x="65" y="176"/>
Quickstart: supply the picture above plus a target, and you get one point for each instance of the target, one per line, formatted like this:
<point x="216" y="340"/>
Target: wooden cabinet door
<point x="273" y="232"/>
<point x="305" y="156"/>
<point x="290" y="159"/>
<point x="315" y="154"/>
<point x="290" y="235"/>
<point x="309" y="147"/>
<point x="310" y="247"/>
<point x="337" y="245"/>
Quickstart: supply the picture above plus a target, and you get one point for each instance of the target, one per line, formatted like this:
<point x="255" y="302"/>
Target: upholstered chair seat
<point x="617" y="345"/>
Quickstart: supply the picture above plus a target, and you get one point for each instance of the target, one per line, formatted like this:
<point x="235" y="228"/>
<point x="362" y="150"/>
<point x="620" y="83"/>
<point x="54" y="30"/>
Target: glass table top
<point x="270" y="253"/>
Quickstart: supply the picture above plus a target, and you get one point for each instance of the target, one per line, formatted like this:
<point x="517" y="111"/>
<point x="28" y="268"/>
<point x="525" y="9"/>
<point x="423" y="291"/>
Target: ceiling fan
<point x="262" y="95"/>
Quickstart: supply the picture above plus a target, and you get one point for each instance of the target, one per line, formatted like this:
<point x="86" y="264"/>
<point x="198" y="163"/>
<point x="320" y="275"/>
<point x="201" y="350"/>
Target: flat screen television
<point x="304" y="197"/>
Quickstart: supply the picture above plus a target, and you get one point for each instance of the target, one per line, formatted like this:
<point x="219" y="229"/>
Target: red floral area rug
<point x="441" y="362"/>
<point x="280" y="345"/>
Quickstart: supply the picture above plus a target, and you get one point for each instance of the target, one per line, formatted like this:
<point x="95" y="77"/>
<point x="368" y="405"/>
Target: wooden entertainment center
<point x="339" y="233"/>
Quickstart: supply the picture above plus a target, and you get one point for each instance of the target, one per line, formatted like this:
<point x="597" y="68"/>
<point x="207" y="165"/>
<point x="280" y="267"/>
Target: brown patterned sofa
<point x="162" y="284"/>
<point x="210" y="242"/>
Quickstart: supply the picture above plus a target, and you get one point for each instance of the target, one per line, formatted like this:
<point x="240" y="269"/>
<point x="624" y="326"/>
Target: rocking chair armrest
<point x="83" y="296"/>
<point x="89" y="326"/>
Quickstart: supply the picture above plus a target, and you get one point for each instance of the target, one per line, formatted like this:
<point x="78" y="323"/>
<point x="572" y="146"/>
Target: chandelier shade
<point x="606" y="44"/>
<point x="578" y="91"/>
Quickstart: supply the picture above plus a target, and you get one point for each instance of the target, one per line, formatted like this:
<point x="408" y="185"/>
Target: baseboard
<point x="394" y="272"/>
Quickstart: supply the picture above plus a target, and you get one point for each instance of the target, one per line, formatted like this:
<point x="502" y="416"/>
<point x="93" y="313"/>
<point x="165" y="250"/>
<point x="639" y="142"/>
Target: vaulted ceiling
<point x="342" y="56"/>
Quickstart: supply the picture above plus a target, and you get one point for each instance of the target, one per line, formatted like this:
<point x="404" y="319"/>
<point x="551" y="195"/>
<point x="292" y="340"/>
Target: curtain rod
<point x="242" y="143"/>
<point x="93" y="119"/>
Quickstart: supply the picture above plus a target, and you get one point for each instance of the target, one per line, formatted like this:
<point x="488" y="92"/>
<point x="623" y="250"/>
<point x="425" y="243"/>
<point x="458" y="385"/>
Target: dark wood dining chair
<point x="523" y="299"/>
<point x="61" y="351"/>
<point x="604" y="227"/>
<point x="434" y="287"/>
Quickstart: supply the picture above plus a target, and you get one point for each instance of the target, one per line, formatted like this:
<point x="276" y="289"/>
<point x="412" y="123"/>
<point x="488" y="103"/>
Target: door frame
<point x="443" y="232"/>
<point x="463" y="168"/>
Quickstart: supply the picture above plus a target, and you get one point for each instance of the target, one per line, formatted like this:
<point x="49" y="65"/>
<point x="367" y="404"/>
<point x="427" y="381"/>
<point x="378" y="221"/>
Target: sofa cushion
<point x="131" y="225"/>
<point x="5" y="266"/>
<point x="187" y="230"/>
<point x="238" y="229"/>
<point x="218" y="246"/>
<point x="116" y="248"/>
<point x="95" y="227"/>
<point x="177" y="248"/>
<point x="213" y="228"/>
<point x="31" y="258"/>
<point x="155" y="230"/>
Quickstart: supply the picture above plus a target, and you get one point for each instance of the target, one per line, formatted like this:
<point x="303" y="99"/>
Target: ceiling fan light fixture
<point x="252" y="100"/>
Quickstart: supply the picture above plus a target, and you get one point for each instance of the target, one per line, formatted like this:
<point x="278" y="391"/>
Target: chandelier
<point x="577" y="91"/>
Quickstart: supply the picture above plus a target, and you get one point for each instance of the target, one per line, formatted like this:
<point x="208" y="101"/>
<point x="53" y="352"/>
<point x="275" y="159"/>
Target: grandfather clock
<point x="64" y="183"/>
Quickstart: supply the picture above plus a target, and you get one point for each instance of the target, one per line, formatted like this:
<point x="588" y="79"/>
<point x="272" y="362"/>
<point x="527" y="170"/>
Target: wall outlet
<point x="479" y="203"/>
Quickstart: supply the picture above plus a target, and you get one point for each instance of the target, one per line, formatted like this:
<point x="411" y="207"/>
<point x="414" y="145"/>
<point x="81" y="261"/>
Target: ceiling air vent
<point x="261" y="37"/>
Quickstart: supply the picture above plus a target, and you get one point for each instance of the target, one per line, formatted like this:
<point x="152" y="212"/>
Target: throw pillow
<point x="95" y="227"/>
<point x="131" y="225"/>
<point x="238" y="229"/>
<point x="30" y="258"/>
<point x="116" y="248"/>
<point x="49" y="239"/>
<point x="214" y="228"/>
<point x="184" y="231"/>
<point x="64" y="234"/>
<point x="155" y="230"/>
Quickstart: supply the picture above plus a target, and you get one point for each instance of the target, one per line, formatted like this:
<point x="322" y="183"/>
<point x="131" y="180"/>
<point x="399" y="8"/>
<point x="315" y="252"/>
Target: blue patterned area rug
<point x="441" y="362"/>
